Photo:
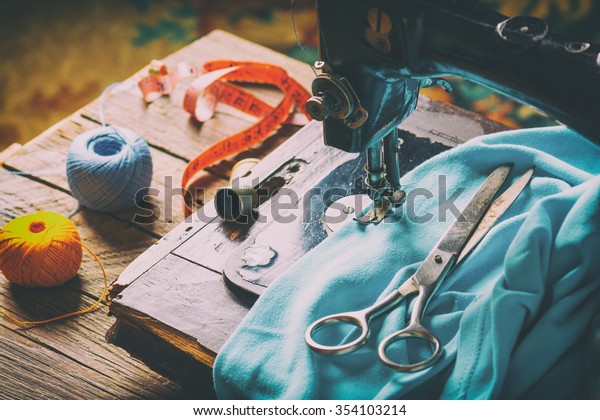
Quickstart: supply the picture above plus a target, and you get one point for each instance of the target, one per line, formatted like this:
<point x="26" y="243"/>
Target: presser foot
<point x="381" y="207"/>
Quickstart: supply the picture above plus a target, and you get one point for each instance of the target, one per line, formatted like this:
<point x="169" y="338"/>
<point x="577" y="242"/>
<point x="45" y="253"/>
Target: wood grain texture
<point x="45" y="159"/>
<point x="70" y="359"/>
<point x="162" y="357"/>
<point x="165" y="124"/>
<point x="9" y="151"/>
<point x="45" y="156"/>
<point x="32" y="371"/>
<point x="95" y="369"/>
<point x="180" y="293"/>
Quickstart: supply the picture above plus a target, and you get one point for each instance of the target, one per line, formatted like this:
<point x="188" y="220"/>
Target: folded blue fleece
<point x="515" y="317"/>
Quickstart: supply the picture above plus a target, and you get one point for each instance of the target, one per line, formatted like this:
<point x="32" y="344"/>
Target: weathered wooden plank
<point x="195" y="378"/>
<point x="81" y="340"/>
<point x="31" y="371"/>
<point x="78" y="340"/>
<point x="9" y="151"/>
<point x="20" y="195"/>
<point x="200" y="306"/>
<point x="45" y="158"/>
<point x="166" y="125"/>
<point x="304" y="168"/>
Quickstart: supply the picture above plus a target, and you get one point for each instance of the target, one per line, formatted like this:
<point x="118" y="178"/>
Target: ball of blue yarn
<point x="107" y="167"/>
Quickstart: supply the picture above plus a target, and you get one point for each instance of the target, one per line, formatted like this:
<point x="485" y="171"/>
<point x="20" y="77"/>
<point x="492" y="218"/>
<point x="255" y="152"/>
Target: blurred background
<point x="56" y="56"/>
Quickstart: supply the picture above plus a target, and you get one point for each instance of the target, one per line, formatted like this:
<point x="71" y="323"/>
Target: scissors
<point x="461" y="237"/>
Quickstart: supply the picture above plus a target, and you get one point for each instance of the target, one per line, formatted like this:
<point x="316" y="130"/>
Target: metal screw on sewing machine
<point x="381" y="45"/>
<point x="397" y="197"/>
<point x="522" y="31"/>
<point x="330" y="97"/>
<point x="399" y="145"/>
<point x="577" y="47"/>
<point x="318" y="107"/>
<point x="438" y="259"/>
<point x="379" y="25"/>
<point x="334" y="97"/>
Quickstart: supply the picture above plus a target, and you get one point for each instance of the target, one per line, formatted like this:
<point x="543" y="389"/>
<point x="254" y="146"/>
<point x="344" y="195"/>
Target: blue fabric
<point x="515" y="318"/>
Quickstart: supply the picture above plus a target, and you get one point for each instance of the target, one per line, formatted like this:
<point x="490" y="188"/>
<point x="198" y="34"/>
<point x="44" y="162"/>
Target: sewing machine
<point x="376" y="55"/>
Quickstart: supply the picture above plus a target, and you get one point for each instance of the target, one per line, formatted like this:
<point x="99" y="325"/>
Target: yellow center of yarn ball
<point x="40" y="250"/>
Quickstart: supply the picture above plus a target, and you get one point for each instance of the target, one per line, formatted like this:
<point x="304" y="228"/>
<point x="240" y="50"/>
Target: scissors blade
<point x="443" y="255"/>
<point x="456" y="236"/>
<point x="496" y="210"/>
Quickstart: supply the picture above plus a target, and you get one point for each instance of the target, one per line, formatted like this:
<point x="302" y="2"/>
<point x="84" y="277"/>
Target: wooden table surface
<point x="71" y="358"/>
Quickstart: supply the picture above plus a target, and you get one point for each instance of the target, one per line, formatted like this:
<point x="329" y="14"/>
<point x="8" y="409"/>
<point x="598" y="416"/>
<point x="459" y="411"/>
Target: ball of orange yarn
<point x="40" y="250"/>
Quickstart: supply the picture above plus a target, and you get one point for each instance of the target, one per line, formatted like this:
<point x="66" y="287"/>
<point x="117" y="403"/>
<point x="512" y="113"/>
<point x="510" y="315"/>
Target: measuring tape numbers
<point x="215" y="86"/>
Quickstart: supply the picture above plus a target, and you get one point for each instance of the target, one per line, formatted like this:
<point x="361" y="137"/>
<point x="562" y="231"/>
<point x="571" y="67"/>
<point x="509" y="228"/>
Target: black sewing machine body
<point x="386" y="48"/>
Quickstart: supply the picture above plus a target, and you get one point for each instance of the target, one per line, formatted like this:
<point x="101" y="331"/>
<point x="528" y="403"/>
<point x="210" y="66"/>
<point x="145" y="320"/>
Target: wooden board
<point x="70" y="358"/>
<point x="164" y="209"/>
<point x="193" y="299"/>
<point x="164" y="358"/>
<point x="166" y="125"/>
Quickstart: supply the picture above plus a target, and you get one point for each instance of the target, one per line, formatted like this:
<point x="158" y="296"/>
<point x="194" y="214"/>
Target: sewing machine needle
<point x="496" y="210"/>
<point x="376" y="213"/>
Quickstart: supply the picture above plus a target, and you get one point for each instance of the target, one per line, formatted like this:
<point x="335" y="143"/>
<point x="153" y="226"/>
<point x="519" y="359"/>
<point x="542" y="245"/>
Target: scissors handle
<point x="357" y="319"/>
<point x="413" y="331"/>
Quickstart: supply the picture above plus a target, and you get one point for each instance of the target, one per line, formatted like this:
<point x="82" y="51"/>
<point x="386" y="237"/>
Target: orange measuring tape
<point x="204" y="92"/>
